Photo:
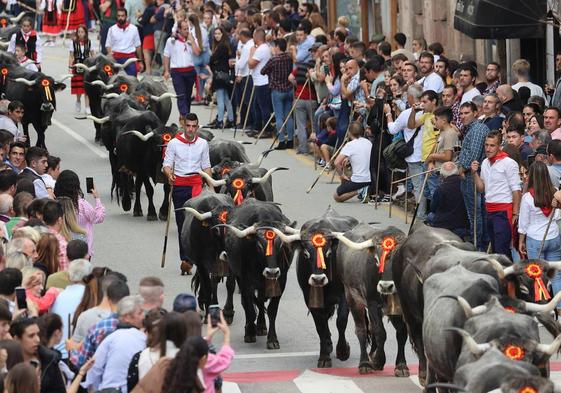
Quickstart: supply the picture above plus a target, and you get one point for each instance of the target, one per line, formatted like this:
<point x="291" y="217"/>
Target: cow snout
<point x="386" y="287"/>
<point x="47" y="107"/>
<point x="271" y="273"/>
<point x="318" y="280"/>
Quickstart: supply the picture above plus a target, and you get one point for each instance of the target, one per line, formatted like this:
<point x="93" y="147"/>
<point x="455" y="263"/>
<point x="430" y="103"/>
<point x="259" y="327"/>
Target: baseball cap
<point x="185" y="302"/>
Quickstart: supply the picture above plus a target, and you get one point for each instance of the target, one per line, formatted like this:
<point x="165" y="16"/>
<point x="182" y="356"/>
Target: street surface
<point x="133" y="246"/>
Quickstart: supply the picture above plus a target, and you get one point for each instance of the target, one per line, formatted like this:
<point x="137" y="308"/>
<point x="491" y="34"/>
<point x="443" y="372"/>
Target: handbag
<point x="406" y="149"/>
<point x="396" y="152"/>
<point x="223" y="77"/>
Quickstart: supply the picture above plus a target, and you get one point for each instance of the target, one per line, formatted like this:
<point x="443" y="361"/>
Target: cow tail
<point x="368" y="330"/>
<point x="196" y="282"/>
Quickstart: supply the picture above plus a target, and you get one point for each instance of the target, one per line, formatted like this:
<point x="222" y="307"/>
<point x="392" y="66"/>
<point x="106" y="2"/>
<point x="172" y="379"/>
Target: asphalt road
<point x="133" y="246"/>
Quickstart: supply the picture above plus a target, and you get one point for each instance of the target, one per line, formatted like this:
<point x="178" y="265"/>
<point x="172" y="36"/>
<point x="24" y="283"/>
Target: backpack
<point x="396" y="153"/>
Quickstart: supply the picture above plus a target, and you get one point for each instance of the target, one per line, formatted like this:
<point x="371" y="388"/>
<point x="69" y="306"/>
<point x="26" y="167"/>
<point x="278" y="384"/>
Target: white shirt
<point x="358" y="151"/>
<point x="433" y="82"/>
<point x="400" y="124"/>
<point x="8" y="124"/>
<point x="180" y="53"/>
<point x="242" y="69"/>
<point x="29" y="64"/>
<point x="535" y="90"/>
<point x="188" y="158"/>
<point x="49" y="181"/>
<point x="262" y="54"/>
<point x="501" y="179"/>
<point x="123" y="40"/>
<point x="468" y="96"/>
<point x="532" y="221"/>
<point x="38" y="47"/>
<point x="150" y="356"/>
<point x="65" y="306"/>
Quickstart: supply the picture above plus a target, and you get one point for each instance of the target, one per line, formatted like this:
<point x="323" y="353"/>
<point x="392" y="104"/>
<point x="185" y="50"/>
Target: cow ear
<point x="59" y="86"/>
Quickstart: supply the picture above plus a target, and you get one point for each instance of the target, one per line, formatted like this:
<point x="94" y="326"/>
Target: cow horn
<point x="285" y="238"/>
<point x="126" y="63"/>
<point x="554" y="265"/>
<point x="163" y="96"/>
<point x="238" y="232"/>
<point x="25" y="81"/>
<point x="4" y="43"/>
<point x="550" y="349"/>
<point x="195" y="212"/>
<point x="140" y="135"/>
<point x="498" y="267"/>
<point x="16" y="19"/>
<point x="103" y="85"/>
<point x="84" y="67"/>
<point x="261" y="157"/>
<point x="214" y="182"/>
<point x="351" y="244"/>
<point x="110" y="95"/>
<point x="97" y="119"/>
<point x="474" y="347"/>
<point x="257" y="180"/>
<point x="292" y="231"/>
<point x="468" y="310"/>
<point x="63" y="78"/>
<point x="543" y="308"/>
<point x="509" y="270"/>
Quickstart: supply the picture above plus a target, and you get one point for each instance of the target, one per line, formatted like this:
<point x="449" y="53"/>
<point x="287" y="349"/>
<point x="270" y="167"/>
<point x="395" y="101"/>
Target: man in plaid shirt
<point x="473" y="149"/>
<point x="95" y="336"/>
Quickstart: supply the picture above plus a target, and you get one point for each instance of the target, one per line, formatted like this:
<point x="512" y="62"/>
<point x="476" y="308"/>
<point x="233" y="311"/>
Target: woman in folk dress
<point x="80" y="49"/>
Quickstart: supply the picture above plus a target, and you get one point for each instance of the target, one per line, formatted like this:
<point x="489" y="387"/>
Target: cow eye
<point x="306" y="254"/>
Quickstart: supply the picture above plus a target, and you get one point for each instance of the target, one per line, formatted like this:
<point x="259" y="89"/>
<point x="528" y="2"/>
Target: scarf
<point x="123" y="25"/>
<point x="182" y="39"/>
<point x="545" y="210"/>
<point x="499" y="156"/>
<point x="181" y="138"/>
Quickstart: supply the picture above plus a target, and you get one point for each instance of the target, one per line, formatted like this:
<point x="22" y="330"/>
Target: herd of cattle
<point x="472" y="317"/>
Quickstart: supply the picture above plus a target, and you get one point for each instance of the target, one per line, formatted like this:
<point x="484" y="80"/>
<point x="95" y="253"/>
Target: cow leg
<point x="25" y="127"/>
<point x="40" y="136"/>
<point x="377" y="354"/>
<point x="272" y="310"/>
<point x="343" y="350"/>
<point x="204" y="296"/>
<point x="248" y="304"/>
<point x="137" y="211"/>
<point x="163" y="214"/>
<point x="359" y="315"/>
<point x="321" y="318"/>
<point x="123" y="187"/>
<point x="151" y="216"/>
<point x="401" y="369"/>
<point x="229" y="305"/>
<point x="214" y="281"/>
<point x="261" y="322"/>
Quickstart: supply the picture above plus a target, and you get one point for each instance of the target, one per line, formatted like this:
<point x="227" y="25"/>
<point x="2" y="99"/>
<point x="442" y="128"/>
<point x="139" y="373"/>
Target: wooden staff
<point x="415" y="175"/>
<point x="163" y="263"/>
<point x="247" y="111"/>
<point x="420" y="198"/>
<point x="545" y="234"/>
<point x="264" y="127"/>
<point x="474" y="212"/>
<point x="344" y="140"/>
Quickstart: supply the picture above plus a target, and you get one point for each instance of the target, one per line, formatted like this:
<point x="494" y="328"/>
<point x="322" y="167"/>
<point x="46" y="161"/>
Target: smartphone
<point x="21" y="298"/>
<point x="89" y="184"/>
<point x="214" y="311"/>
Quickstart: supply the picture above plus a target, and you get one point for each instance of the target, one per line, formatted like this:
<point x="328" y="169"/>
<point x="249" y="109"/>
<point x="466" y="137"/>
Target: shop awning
<point x="501" y="19"/>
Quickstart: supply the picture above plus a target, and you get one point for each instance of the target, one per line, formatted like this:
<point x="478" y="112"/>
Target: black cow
<point x="259" y="260"/>
<point x="157" y="97"/>
<point x="219" y="149"/>
<point x="361" y="262"/>
<point x="319" y="279"/>
<point x="203" y="242"/>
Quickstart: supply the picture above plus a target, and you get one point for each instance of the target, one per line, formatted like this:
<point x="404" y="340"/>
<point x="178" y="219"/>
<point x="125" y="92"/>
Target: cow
<point x="318" y="277"/>
<point x="203" y="242"/>
<point x="361" y="262"/>
<point x="8" y="27"/>
<point x="259" y="260"/>
<point x="35" y="90"/>
<point x="156" y="96"/>
<point x="220" y="149"/>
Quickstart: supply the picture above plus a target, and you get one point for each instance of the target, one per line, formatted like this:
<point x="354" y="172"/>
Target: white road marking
<point x="311" y="382"/>
<point x="415" y="380"/>
<point x="276" y="355"/>
<point x="98" y="152"/>
<point x="230" y="387"/>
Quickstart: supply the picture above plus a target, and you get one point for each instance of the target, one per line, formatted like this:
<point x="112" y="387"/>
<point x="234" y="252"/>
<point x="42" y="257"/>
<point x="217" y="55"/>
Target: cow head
<point x="383" y="245"/>
<point x="528" y="279"/>
<point x="44" y="88"/>
<point x="240" y="183"/>
<point x="213" y="221"/>
<point x="509" y="304"/>
<point x="224" y="168"/>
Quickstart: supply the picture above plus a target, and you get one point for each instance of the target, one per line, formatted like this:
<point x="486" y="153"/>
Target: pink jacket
<point x="215" y="365"/>
<point x="88" y="216"/>
<point x="43" y="303"/>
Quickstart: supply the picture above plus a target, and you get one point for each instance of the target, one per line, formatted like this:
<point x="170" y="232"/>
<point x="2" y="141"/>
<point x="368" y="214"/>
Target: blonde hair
<point x="194" y="20"/>
<point x="343" y="21"/>
<point x="31" y="277"/>
<point x="28" y="232"/>
<point x="521" y="67"/>
<point x="69" y="223"/>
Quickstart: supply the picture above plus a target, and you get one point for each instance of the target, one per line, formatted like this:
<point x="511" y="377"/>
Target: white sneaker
<point x="400" y="191"/>
<point x="87" y="110"/>
<point x="78" y="107"/>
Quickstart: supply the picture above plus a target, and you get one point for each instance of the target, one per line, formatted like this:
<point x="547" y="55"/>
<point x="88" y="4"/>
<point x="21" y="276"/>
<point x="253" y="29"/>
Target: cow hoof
<point x="324" y="363"/>
<point x="343" y="351"/>
<point x="249" y="339"/>
<point x="126" y="205"/>
<point x="401" y="371"/>
<point x="273" y="344"/>
<point x="137" y="214"/>
<point x="163" y="216"/>
<point x="378" y="360"/>
<point x="152" y="217"/>
<point x="261" y="330"/>
<point x="365" y="368"/>
<point x="422" y="378"/>
<point x="229" y="317"/>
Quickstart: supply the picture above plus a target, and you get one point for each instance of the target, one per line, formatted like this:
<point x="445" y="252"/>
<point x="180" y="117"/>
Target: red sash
<point x="193" y="181"/>
<point x="121" y="55"/>
<point x="500" y="207"/>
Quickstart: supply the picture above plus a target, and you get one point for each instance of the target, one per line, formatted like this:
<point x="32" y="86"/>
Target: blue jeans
<point x="130" y="69"/>
<point x="432" y="182"/>
<point x="183" y="84"/>
<point x="317" y="116"/>
<point x="200" y="62"/>
<point x="261" y="106"/>
<point x="223" y="103"/>
<point x="551" y="252"/>
<point x="417" y="181"/>
<point x="282" y="102"/>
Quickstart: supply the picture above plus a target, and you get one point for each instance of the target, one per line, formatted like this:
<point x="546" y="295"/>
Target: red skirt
<point x="76" y="18"/>
<point x="50" y="23"/>
<point x="77" y="84"/>
<point x="148" y="42"/>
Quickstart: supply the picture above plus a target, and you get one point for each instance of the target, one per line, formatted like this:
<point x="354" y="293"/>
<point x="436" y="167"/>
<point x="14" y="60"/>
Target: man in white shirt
<point x="357" y="154"/>
<point x="468" y="75"/>
<point x="521" y="71"/>
<point x="123" y="43"/>
<point x="259" y="55"/>
<point x="10" y="121"/>
<point x="178" y="63"/>
<point x="243" y="81"/>
<point x="186" y="156"/>
<point x="430" y="80"/>
<point x="500" y="182"/>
